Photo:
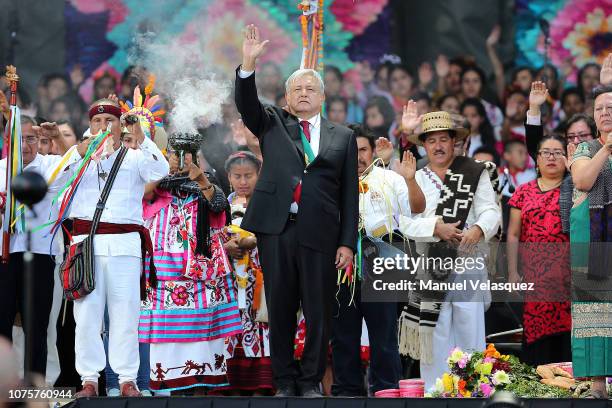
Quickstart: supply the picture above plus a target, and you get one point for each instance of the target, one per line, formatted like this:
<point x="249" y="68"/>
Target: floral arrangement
<point x="480" y="374"/>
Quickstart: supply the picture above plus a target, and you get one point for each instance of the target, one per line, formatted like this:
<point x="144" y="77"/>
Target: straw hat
<point x="440" y="121"/>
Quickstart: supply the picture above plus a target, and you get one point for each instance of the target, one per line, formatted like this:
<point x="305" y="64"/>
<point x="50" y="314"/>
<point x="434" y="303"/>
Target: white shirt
<point x="315" y="133"/>
<point x="475" y="143"/>
<point x="124" y="204"/>
<point x="484" y="211"/>
<point x="385" y="200"/>
<point x="41" y="240"/>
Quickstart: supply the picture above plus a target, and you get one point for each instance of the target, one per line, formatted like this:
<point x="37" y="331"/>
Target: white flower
<point x="501" y="377"/>
<point x="439" y="387"/>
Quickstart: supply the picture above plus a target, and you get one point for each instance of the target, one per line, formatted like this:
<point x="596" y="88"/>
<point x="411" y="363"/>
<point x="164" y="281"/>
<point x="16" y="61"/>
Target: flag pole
<point x="13" y="79"/>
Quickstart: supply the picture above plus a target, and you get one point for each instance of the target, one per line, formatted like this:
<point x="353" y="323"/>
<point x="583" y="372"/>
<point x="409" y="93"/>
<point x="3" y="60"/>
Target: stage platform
<point x="271" y="402"/>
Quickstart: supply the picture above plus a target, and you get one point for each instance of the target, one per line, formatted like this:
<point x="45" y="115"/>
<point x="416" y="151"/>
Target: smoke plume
<point x="185" y="78"/>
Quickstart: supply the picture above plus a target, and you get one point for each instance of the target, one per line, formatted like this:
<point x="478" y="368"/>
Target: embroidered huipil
<point x="195" y="299"/>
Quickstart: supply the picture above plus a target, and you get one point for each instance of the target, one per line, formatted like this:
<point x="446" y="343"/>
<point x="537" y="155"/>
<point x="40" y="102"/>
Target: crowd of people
<point x="237" y="269"/>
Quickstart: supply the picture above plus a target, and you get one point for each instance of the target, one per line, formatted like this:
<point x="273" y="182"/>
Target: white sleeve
<point x="401" y="193"/>
<point x="152" y="165"/>
<point x="420" y="227"/>
<point x="244" y="74"/>
<point x="534" y="120"/>
<point x="487" y="212"/>
<point x="51" y="166"/>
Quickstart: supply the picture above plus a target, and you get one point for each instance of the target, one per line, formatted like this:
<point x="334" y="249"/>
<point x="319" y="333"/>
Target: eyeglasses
<point x="579" y="136"/>
<point x="547" y="154"/>
<point x="30" y="139"/>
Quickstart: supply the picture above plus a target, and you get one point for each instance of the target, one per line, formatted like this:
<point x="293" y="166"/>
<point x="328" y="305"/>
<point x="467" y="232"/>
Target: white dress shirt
<point x="41" y="240"/>
<point x="124" y="203"/>
<point x="484" y="211"/>
<point x="384" y="202"/>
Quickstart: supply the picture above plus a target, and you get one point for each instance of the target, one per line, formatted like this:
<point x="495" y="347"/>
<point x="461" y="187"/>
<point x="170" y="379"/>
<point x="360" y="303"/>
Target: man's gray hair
<point x="303" y="72"/>
<point x="25" y="119"/>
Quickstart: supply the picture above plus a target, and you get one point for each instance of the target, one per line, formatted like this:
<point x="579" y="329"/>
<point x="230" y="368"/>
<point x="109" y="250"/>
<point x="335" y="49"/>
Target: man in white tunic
<point x="11" y="274"/>
<point x="461" y="211"/>
<point x="117" y="251"/>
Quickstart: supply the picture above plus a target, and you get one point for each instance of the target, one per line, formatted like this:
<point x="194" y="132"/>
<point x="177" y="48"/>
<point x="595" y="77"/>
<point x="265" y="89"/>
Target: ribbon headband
<point x="105" y="108"/>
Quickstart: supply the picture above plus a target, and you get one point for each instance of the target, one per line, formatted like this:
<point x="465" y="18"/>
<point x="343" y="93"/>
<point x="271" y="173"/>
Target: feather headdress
<point x="149" y="112"/>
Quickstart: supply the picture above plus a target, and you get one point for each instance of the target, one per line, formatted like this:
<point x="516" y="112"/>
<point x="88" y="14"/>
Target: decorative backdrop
<point x="99" y="34"/>
<point x="580" y="31"/>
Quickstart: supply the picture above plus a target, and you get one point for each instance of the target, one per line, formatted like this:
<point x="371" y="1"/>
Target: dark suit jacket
<point x="329" y="205"/>
<point x="533" y="136"/>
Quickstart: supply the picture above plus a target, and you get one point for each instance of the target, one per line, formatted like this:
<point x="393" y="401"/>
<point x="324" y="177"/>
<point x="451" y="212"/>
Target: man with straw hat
<point x="461" y="211"/>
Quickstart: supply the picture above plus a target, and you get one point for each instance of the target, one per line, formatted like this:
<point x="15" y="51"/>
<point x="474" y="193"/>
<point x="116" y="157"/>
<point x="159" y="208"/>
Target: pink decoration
<point x="575" y="27"/>
<point x="116" y="8"/>
<point x="486" y="389"/>
<point x="222" y="23"/>
<point x="355" y="16"/>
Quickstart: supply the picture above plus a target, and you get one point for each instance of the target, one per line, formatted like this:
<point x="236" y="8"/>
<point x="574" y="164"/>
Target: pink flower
<point x="463" y="362"/>
<point x="179" y="295"/>
<point x="486" y="389"/>
<point x="489" y="360"/>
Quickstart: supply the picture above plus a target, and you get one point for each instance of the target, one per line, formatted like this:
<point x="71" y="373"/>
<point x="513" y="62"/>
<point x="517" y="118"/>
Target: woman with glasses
<point x="542" y="257"/>
<point x="591" y="231"/>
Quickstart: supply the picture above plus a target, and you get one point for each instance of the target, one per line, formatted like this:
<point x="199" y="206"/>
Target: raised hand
<point x="136" y="130"/>
<point x="605" y="75"/>
<point x="83" y="146"/>
<point x="493" y="38"/>
<point x="384" y="149"/>
<point x="252" y="47"/>
<point x="537" y="97"/>
<point x="410" y="117"/>
<point x="49" y="130"/>
<point x="239" y="132"/>
<point x="408" y="167"/>
<point x="425" y="74"/>
<point x="113" y="97"/>
<point x="77" y="77"/>
<point x="442" y="66"/>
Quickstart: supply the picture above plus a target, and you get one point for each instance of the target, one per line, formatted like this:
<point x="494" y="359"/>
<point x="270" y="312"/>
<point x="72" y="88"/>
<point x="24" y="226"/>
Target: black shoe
<point x="311" y="391"/>
<point x="285" y="390"/>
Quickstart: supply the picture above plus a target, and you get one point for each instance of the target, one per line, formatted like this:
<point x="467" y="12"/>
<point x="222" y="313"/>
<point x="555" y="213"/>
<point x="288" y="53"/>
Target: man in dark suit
<point x="304" y="212"/>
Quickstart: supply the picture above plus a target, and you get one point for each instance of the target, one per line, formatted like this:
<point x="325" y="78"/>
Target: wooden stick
<point x="11" y="76"/>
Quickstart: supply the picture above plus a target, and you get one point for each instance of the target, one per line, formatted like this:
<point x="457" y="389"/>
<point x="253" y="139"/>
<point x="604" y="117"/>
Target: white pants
<point x="118" y="286"/>
<point x="460" y="324"/>
<point x="53" y="363"/>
